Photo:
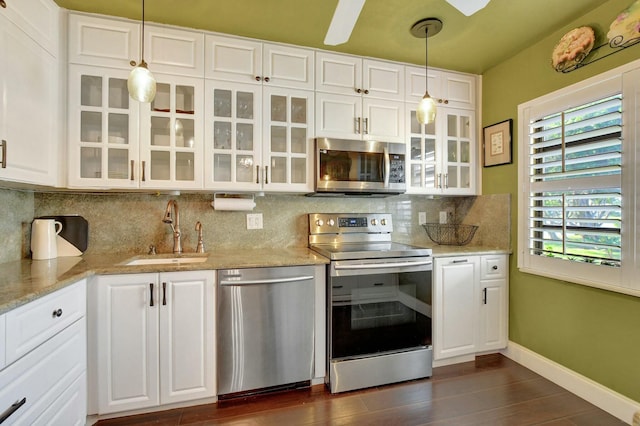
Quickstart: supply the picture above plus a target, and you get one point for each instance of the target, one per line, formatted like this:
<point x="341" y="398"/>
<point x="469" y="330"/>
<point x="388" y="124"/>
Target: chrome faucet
<point x="174" y="221"/>
<point x="200" y="248"/>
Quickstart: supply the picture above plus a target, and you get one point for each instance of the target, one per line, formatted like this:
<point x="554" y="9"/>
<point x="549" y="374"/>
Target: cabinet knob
<point x="267" y="79"/>
<point x="446" y="101"/>
<point x="366" y="91"/>
<point x="494" y="267"/>
<point x="258" y="78"/>
<point x="57" y="313"/>
<point x="3" y="4"/>
<point x="131" y="62"/>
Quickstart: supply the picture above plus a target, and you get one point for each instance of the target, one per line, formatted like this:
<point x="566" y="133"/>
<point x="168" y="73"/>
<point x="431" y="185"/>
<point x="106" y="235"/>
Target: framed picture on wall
<point x="497" y="143"/>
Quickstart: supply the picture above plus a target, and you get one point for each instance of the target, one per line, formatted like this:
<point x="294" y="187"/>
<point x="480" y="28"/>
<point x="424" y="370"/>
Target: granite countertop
<point x="26" y="280"/>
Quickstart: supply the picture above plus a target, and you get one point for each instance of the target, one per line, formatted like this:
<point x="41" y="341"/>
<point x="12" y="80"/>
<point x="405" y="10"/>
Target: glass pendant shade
<point x="141" y="83"/>
<point x="426" y="112"/>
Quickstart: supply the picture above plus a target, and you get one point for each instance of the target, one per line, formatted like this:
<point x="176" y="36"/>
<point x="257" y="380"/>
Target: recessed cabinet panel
<point x="103" y="42"/>
<point x="383" y="79"/>
<point x="174" y="51"/>
<point x="338" y="73"/>
<point x="233" y="59"/>
<point x="288" y="66"/>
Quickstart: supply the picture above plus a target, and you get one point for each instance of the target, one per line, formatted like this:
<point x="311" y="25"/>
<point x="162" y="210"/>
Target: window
<point x="571" y="212"/>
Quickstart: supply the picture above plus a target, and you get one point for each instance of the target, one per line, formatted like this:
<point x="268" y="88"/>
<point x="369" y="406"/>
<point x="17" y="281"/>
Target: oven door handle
<point x="384" y="265"/>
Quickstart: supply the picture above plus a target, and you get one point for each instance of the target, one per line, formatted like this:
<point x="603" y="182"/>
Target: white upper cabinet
<point x="359" y="98"/>
<point x="448" y="88"/>
<point x="249" y="61"/>
<point x="103" y="42"/>
<point x="29" y="92"/>
<point x="174" y="51"/>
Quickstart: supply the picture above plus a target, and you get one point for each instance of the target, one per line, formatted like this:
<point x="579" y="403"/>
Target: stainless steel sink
<point x="165" y="260"/>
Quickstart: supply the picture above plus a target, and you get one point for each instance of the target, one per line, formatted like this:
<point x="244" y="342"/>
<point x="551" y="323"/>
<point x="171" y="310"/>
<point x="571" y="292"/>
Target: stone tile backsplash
<point x="130" y="223"/>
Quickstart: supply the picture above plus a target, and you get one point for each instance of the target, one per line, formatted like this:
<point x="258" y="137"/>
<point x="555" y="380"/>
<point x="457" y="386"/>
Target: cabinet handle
<point x="15" y="406"/>
<point x="57" y="313"/>
<point x="4" y="153"/>
<point x="358" y="122"/>
<point x="151" y="293"/>
<point x="257" y="174"/>
<point x="143" y="177"/>
<point x="446" y="180"/>
<point x="266" y="174"/>
<point x="439" y="181"/>
<point x="164" y="293"/>
<point x="460" y="261"/>
<point x="132" y="169"/>
<point x="267" y="79"/>
<point x="484" y="296"/>
<point x="366" y="126"/>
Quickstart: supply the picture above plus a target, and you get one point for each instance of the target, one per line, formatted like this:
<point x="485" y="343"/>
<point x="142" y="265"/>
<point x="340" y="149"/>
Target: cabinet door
<point x="459" y="151"/>
<point x="288" y="66"/>
<point x="382" y="120"/>
<point x="174" y="51"/>
<point x="103" y="129"/>
<point x="187" y="325"/>
<point x="288" y="140"/>
<point x="2" y="339"/>
<point x="422" y="154"/>
<point x="233" y="59"/>
<point x="103" y="42"/>
<point x="29" y="109"/>
<point x="340" y="74"/>
<point x="383" y="80"/>
<point x="172" y="149"/>
<point x="455" y="307"/>
<point x="338" y="116"/>
<point x="493" y="315"/>
<point x="233" y="136"/>
<point x="127" y="342"/>
<point x="450" y="89"/>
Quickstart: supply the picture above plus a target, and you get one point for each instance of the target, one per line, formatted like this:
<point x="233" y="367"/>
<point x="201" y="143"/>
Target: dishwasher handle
<point x="266" y="281"/>
<point x="383" y="265"/>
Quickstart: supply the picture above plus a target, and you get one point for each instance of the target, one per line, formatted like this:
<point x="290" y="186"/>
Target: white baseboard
<point x="608" y="400"/>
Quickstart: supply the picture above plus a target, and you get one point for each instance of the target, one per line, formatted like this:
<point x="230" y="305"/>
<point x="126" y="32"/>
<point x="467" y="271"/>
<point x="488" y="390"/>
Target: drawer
<point x="70" y="407"/>
<point x="492" y="267"/>
<point x="43" y="375"/>
<point x="32" y="324"/>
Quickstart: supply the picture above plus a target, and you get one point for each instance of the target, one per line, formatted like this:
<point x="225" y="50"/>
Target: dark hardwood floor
<point x="493" y="390"/>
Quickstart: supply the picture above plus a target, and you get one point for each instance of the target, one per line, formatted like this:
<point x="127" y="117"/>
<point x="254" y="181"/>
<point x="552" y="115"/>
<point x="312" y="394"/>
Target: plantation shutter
<point x="575" y="159"/>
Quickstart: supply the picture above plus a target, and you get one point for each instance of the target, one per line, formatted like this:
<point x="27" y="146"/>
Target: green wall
<point x="593" y="332"/>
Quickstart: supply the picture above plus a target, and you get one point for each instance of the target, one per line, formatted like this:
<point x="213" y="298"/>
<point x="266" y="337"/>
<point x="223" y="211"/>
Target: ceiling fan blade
<point x="344" y="19"/>
<point x="468" y="7"/>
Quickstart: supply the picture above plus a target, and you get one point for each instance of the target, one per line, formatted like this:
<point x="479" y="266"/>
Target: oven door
<point x="379" y="306"/>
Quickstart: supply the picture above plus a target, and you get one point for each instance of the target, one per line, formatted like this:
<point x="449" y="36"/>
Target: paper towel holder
<point x="233" y="201"/>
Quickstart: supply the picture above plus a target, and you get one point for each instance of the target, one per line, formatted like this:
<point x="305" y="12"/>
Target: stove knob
<point x="383" y="222"/>
<point x="374" y="222"/>
<point x="331" y="222"/>
<point x="319" y="222"/>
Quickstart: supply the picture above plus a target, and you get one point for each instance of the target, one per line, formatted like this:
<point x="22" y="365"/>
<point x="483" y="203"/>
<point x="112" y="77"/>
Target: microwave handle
<point x="387" y="167"/>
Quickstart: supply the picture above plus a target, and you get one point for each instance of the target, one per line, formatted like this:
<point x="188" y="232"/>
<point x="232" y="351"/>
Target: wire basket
<point x="450" y="234"/>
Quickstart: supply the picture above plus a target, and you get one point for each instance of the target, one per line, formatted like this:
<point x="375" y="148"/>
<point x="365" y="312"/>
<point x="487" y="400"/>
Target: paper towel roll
<point x="233" y="204"/>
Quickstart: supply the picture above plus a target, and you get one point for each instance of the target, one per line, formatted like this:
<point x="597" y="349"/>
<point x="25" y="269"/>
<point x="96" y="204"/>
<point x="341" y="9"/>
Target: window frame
<point x="622" y="279"/>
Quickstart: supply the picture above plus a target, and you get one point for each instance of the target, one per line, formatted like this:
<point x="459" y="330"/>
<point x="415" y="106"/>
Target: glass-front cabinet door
<point x="172" y="136"/>
<point x="288" y="140"/>
<point x="233" y="136"/>
<point x="103" y="129"/>
<point x="441" y="155"/>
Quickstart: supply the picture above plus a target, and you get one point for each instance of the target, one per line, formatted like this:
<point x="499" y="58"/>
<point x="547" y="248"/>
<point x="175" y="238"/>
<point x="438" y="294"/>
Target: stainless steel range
<point x="378" y="301"/>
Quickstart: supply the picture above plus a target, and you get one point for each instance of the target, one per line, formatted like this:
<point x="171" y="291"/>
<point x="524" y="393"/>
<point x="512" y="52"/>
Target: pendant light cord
<point x="142" y="38"/>
<point x="426" y="58"/>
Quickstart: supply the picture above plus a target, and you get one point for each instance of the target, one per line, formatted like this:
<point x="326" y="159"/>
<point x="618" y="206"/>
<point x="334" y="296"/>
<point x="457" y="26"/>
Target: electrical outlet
<point x="422" y="218"/>
<point x="254" y="221"/>
<point x="443" y="217"/>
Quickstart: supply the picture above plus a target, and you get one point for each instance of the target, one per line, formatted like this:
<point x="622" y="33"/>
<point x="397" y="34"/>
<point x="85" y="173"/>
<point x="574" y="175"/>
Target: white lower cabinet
<point x="155" y="339"/>
<point x="470" y="305"/>
<point x="46" y="385"/>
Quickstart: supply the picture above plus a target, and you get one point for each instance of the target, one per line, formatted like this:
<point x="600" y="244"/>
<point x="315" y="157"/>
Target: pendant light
<point x="141" y="83"/>
<point x="426" y="112"/>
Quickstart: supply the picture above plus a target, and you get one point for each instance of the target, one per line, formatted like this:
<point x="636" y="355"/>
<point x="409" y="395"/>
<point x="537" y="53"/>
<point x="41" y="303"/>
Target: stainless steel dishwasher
<point x="265" y="329"/>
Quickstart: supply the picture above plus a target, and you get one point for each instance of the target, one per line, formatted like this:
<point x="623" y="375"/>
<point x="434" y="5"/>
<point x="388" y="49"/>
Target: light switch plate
<point x="254" y="221"/>
<point x="422" y="218"/>
<point x="443" y="217"/>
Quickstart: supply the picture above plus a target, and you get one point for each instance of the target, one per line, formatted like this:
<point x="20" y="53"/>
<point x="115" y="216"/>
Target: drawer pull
<point x="57" y="313"/>
<point x="484" y="296"/>
<point x="460" y="261"/>
<point x="164" y="293"/>
<point x="14" y="407"/>
<point x="4" y="154"/>
<point x="151" y="293"/>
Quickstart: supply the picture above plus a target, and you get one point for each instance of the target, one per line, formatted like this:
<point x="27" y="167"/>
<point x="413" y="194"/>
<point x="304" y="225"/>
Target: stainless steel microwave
<point x="356" y="167"/>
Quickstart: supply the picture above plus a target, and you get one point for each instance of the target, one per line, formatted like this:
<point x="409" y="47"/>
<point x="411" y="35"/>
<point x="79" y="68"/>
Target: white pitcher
<point x="43" y="238"/>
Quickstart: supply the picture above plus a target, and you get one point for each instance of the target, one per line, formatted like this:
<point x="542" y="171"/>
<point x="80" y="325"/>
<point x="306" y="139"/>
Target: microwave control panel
<point x="396" y="172"/>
